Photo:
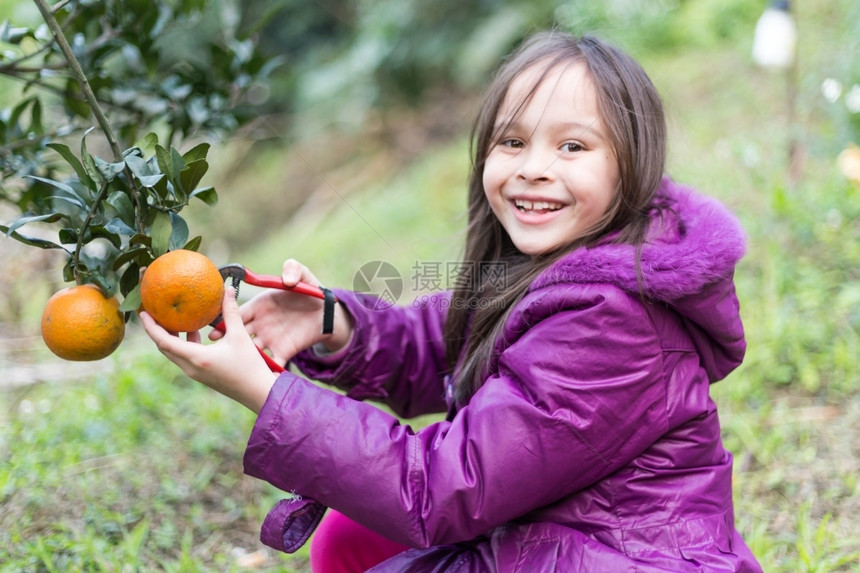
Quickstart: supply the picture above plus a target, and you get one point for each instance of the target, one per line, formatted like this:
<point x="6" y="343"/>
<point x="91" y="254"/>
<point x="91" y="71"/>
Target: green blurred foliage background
<point x="356" y="151"/>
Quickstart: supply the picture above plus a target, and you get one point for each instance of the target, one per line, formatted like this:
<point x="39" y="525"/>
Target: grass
<point x="128" y="466"/>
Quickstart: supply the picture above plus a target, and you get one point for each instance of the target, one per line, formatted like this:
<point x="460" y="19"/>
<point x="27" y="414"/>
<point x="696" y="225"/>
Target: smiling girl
<point x="580" y="434"/>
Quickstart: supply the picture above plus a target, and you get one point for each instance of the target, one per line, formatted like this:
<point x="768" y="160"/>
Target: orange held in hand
<point x="80" y="323"/>
<point x="182" y="290"/>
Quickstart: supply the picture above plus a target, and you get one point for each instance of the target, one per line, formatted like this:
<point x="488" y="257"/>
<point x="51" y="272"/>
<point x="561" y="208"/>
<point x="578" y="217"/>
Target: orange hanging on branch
<point x="182" y="290"/>
<point x="81" y="323"/>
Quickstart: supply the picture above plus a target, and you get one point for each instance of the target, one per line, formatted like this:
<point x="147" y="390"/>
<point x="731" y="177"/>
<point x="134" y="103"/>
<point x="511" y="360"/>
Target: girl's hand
<point x="285" y="322"/>
<point x="233" y="366"/>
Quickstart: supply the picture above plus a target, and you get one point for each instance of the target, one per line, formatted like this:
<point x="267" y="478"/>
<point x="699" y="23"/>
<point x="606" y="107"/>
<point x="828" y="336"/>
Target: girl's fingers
<point x="279" y="358"/>
<point x="293" y="272"/>
<point x="247" y="311"/>
<point x="150" y="326"/>
<point x="165" y="341"/>
<point x="230" y="311"/>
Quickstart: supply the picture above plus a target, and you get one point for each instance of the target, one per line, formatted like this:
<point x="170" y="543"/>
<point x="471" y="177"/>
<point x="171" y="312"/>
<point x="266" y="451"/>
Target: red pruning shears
<point x="238" y="273"/>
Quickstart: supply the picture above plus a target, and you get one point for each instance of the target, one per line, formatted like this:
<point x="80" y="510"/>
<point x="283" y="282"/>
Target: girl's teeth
<point x="524" y="205"/>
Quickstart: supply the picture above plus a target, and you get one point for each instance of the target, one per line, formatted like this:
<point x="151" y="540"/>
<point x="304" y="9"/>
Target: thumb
<point x="293" y="272"/>
<point x="230" y="311"/>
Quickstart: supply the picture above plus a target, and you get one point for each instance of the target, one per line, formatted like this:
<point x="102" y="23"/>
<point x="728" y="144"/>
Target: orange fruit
<point x="81" y="323"/>
<point x="182" y="290"/>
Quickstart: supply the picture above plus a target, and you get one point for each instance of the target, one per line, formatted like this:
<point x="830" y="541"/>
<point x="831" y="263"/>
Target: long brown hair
<point x="632" y="112"/>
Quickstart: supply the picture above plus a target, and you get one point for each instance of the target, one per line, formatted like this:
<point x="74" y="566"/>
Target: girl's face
<point x="552" y="173"/>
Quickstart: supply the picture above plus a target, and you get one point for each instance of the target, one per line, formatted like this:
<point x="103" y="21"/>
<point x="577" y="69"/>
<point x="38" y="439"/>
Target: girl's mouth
<point x="537" y="207"/>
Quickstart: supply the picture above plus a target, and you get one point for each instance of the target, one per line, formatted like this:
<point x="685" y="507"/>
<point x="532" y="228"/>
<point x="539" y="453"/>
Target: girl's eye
<point x="514" y="143"/>
<point x="571" y="147"/>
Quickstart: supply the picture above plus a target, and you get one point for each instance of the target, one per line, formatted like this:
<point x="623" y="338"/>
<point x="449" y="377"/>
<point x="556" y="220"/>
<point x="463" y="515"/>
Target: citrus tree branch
<point x="83" y="231"/>
<point x="59" y="6"/>
<point x="63" y="43"/>
<point x="78" y="72"/>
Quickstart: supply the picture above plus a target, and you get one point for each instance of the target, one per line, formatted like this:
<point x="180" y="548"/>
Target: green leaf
<point x="177" y="168"/>
<point x="177" y="162"/>
<point x="151" y="180"/>
<point x="193" y="173"/>
<point x="75" y="194"/>
<point x="131" y="277"/>
<point x="206" y="194"/>
<point x="149" y="141"/>
<point x="109" y="170"/>
<point x="89" y="164"/>
<point x="36" y="117"/>
<point x="193" y="244"/>
<point x="162" y="189"/>
<point x="68" y="236"/>
<point x="21" y="221"/>
<point x="138" y="254"/>
<point x="196" y="153"/>
<point x="13" y="35"/>
<point x="123" y="206"/>
<point x="69" y="270"/>
<point x="179" y="235"/>
<point x="74" y="200"/>
<point x="164" y="163"/>
<point x="55" y="184"/>
<point x="103" y="232"/>
<point x="99" y="280"/>
<point x="160" y="233"/>
<point x="140" y="239"/>
<point x="179" y="198"/>
<point x="70" y="158"/>
<point x="118" y="227"/>
<point x="19" y="109"/>
<point x="31" y="241"/>
<point x="132" y="300"/>
<point x="143" y="170"/>
<point x="133" y="150"/>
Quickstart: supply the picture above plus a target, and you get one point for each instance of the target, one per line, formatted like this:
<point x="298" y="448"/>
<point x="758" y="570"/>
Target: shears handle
<point x="271" y="281"/>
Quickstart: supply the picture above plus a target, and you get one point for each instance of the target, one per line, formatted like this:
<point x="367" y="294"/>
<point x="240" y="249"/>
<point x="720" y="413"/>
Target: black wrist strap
<point x="328" y="310"/>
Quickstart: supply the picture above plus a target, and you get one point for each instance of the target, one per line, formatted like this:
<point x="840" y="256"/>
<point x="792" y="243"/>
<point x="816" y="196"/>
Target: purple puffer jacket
<point x="593" y="445"/>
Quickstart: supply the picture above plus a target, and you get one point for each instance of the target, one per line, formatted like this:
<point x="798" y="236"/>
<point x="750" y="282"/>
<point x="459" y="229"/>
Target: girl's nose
<point x="535" y="166"/>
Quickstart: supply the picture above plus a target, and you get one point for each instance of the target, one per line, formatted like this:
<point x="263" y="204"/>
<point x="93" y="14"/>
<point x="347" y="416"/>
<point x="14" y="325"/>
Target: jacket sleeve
<point x="396" y="355"/>
<point x="575" y="397"/>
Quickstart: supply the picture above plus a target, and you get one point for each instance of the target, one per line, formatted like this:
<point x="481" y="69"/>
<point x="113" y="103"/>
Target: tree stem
<point x="90" y="97"/>
<point x="83" y="230"/>
<point x="78" y="72"/>
<point x="59" y="6"/>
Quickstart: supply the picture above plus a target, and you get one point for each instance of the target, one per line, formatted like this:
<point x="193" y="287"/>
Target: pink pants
<point x="340" y="545"/>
